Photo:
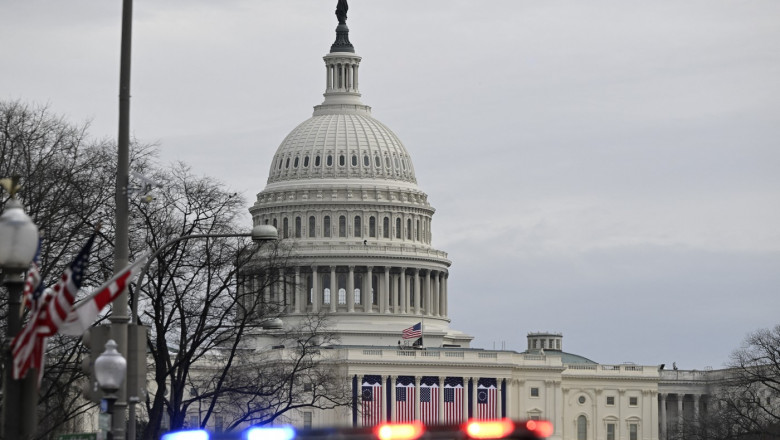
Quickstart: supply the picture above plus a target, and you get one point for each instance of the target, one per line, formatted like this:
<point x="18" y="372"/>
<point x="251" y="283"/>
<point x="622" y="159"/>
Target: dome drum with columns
<point x="342" y="190"/>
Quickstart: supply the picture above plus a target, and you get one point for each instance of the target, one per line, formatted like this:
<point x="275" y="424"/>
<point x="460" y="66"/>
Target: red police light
<point x="540" y="428"/>
<point x="489" y="429"/>
<point x="400" y="431"/>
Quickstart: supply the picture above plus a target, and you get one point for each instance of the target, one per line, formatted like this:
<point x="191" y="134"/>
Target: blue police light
<point x="196" y="434"/>
<point x="275" y="433"/>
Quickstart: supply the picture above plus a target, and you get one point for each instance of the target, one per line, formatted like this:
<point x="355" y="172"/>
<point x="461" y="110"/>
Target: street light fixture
<point x="110" y="370"/>
<point x="18" y="242"/>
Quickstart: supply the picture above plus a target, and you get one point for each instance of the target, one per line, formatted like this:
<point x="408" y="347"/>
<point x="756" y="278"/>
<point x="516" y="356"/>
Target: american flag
<point x="33" y="287"/>
<point x="404" y="399"/>
<point x="371" y="400"/>
<point x="83" y="314"/>
<point x="29" y="345"/>
<point x="453" y="400"/>
<point x="487" y="393"/>
<point x="412" y="332"/>
<point x="429" y="400"/>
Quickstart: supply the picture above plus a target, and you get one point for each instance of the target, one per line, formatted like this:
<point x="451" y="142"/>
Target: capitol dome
<point x="343" y="195"/>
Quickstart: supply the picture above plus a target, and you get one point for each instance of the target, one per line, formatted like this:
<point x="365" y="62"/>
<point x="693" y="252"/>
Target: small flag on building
<point x="412" y="332"/>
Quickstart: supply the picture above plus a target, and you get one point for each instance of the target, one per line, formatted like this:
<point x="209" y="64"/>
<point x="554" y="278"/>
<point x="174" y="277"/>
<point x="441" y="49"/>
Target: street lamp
<point x="18" y="242"/>
<point x="259" y="234"/>
<point x="110" y="369"/>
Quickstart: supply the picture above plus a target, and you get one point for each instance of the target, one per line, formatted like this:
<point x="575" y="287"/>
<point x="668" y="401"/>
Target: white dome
<point x="341" y="144"/>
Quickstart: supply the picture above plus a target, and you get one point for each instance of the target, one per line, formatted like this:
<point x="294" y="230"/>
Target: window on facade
<point x="326" y="226"/>
<point x="366" y="161"/>
<point x="194" y="422"/>
<point x="354" y="160"/>
<point x="295" y="163"/>
<point x="307" y="419"/>
<point x="581" y="400"/>
<point x="358" y="227"/>
<point x="342" y="226"/>
<point x="418" y="230"/>
<point x="357" y="296"/>
<point x="312" y="225"/>
<point x="275" y="225"/>
<point x="398" y="228"/>
<point x="534" y="392"/>
<point x="395" y="159"/>
<point x="342" y="296"/>
<point x="633" y="401"/>
<point x="286" y="228"/>
<point x="372" y="226"/>
<point x="610" y="431"/>
<point x="408" y="229"/>
<point x="342" y="160"/>
<point x="386" y="227"/>
<point x="306" y="162"/>
<point x="611" y="400"/>
<point x="287" y="163"/>
<point x="633" y="431"/>
<point x="582" y="428"/>
<point x="326" y="296"/>
<point x="377" y="161"/>
<point x="317" y="161"/>
<point x="329" y="161"/>
<point x="298" y="227"/>
<point x="280" y="164"/>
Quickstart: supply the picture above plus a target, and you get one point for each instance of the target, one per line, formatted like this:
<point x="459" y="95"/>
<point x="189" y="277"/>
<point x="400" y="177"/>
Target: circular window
<point x="581" y="400"/>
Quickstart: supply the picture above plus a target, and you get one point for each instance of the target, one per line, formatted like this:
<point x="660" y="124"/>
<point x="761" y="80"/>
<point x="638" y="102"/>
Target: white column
<point x="436" y="294"/>
<point x="333" y="289"/>
<point x="427" y="290"/>
<point x="357" y="66"/>
<point x="402" y="293"/>
<point x="315" y="293"/>
<point x="663" y="416"/>
<point x="329" y="77"/>
<point x="680" y="398"/>
<point x="392" y="398"/>
<point x="499" y="388"/>
<point x="440" y="410"/>
<point x="369" y="302"/>
<point x="386" y="290"/>
<point x="417" y="293"/>
<point x="417" y="383"/>
<point x="383" y="404"/>
<point x="445" y="296"/>
<point x="297" y="290"/>
<point x="351" y="290"/>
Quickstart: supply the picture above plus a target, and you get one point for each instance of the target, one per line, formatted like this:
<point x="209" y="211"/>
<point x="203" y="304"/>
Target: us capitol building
<point x="342" y="189"/>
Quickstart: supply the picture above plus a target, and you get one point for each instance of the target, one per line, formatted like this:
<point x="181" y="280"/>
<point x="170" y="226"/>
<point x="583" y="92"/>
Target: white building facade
<point x="342" y="189"/>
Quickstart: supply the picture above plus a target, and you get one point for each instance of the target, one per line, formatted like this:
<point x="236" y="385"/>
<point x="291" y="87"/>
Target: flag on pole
<point x="487" y="394"/>
<point x="453" y="400"/>
<point x="33" y="287"/>
<point x="83" y="314"/>
<point x="371" y="400"/>
<point x="412" y="332"/>
<point x="29" y="345"/>
<point x="404" y="399"/>
<point x="429" y="400"/>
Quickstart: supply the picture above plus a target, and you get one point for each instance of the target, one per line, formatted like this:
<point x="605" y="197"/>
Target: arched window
<point x="306" y="162"/>
<point x="377" y="161"/>
<point x="357" y="295"/>
<point x="387" y="161"/>
<point x="326" y="226"/>
<point x="386" y="227"/>
<point x="326" y="296"/>
<point x="342" y="226"/>
<point x="286" y="228"/>
<point x="408" y="229"/>
<point x="582" y="428"/>
<point x="280" y="163"/>
<point x="366" y="161"/>
<point x="276" y="225"/>
<point x="329" y="161"/>
<point x="398" y="228"/>
<point x="295" y="162"/>
<point x="312" y="226"/>
<point x="372" y="226"/>
<point x="317" y="161"/>
<point x="342" y="296"/>
<point x="354" y="160"/>
<point x="298" y="227"/>
<point x="287" y="163"/>
<point x="358" y="227"/>
<point x="342" y="160"/>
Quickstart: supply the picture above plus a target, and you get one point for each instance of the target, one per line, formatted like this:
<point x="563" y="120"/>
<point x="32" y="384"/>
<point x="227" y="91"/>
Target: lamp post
<point x="110" y="369"/>
<point x="259" y="234"/>
<point x="18" y="241"/>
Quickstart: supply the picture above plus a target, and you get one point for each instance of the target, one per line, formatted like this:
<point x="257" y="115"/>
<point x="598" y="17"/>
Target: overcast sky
<point x="605" y="169"/>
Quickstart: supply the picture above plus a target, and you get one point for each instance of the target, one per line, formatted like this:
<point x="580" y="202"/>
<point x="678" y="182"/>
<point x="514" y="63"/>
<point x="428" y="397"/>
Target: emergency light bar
<point x="471" y="430"/>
